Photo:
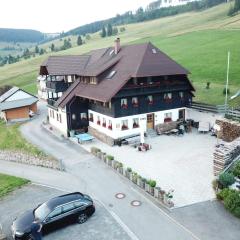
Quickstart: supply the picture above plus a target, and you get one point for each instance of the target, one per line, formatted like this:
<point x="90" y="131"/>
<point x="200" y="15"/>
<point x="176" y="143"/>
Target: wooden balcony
<point x="57" y="86"/>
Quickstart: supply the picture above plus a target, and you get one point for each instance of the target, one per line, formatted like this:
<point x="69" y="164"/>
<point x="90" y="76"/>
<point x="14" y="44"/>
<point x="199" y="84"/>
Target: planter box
<point x="161" y="195"/>
<point x="134" y="179"/>
<point x="114" y="164"/>
<point x="127" y="173"/>
<point x="157" y="192"/>
<point x="120" y="170"/>
<point x="151" y="190"/>
<point x="130" y="176"/>
<point x="109" y="162"/>
<point x="99" y="155"/>
<point x="147" y="187"/>
<point x="104" y="156"/>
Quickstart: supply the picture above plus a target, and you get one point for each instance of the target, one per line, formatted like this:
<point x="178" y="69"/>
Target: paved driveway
<point x="184" y="164"/>
<point x="100" y="226"/>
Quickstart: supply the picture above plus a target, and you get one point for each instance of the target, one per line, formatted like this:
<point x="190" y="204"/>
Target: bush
<point x="236" y="170"/>
<point x="109" y="157"/>
<point x="223" y="194"/>
<point x="224" y="91"/>
<point x="226" y="179"/>
<point x="129" y="169"/>
<point x="152" y="183"/>
<point x="232" y="202"/>
<point x="95" y="150"/>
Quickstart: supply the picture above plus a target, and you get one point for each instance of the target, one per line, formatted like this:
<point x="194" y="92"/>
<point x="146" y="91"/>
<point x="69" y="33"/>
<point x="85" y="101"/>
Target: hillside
<point x="197" y="40"/>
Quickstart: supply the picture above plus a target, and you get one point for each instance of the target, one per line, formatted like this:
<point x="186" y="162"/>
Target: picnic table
<point x="84" y="137"/>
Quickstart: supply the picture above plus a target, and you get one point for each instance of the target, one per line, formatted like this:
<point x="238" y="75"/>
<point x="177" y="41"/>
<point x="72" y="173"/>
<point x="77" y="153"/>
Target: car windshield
<point x="42" y="211"/>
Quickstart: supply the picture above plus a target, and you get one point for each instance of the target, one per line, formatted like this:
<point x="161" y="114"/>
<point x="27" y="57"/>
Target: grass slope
<point x="9" y="184"/>
<point x="197" y="40"/>
<point x="11" y="139"/>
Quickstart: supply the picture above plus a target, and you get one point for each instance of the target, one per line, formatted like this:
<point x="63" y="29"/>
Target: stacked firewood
<point x="230" y="130"/>
<point x="224" y="154"/>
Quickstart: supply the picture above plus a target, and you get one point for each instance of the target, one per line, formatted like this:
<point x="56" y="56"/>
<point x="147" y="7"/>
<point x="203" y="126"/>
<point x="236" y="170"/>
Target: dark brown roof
<point x="138" y="60"/>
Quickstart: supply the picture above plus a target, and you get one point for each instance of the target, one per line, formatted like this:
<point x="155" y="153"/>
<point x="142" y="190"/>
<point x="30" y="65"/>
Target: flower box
<point x="124" y="127"/>
<point x="103" y="156"/>
<point x="91" y="119"/>
<point x="124" y="106"/>
<point x="135" y="125"/>
<point x="110" y="127"/>
<point x="98" y="123"/>
<point x="104" y="125"/>
<point x="157" y="192"/>
<point x="147" y="187"/>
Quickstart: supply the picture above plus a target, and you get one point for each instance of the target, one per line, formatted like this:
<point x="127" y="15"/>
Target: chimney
<point x="117" y="46"/>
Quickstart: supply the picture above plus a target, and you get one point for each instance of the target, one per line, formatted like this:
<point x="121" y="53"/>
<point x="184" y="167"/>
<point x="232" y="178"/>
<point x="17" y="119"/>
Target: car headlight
<point x="19" y="234"/>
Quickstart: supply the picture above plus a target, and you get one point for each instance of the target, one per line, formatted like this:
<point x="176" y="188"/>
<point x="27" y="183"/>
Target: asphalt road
<point x="101" y="226"/>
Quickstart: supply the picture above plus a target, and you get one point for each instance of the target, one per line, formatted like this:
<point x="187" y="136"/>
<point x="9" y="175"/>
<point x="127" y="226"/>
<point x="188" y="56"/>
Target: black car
<point x="54" y="214"/>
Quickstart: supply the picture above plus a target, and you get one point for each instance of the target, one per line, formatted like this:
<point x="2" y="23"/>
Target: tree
<point x="52" y="47"/>
<point x="226" y="179"/>
<point x="41" y="51"/>
<point x="115" y="31"/>
<point x="66" y="44"/>
<point x="103" y="33"/>
<point x="109" y="29"/>
<point x="79" y="40"/>
<point x="37" y="49"/>
<point x="88" y="37"/>
<point x="122" y="29"/>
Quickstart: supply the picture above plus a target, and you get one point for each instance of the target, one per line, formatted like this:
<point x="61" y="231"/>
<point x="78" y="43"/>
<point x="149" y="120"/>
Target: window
<point x="90" y="117"/>
<point x="154" y="51"/>
<point x="136" y="123"/>
<point x="168" y="117"/>
<point x="52" y="113"/>
<point x="149" y="80"/>
<point x="124" y="103"/>
<point x="135" y="102"/>
<point x="150" y="100"/>
<point x="135" y="81"/>
<point x="57" y="117"/>
<point x="55" y="213"/>
<point x="104" y="124"/>
<point x="168" y="97"/>
<point x="112" y="51"/>
<point x="68" y="207"/>
<point x="83" y="116"/>
<point x="98" y="121"/>
<point x="78" y="204"/>
<point x="181" y="95"/>
<point x="110" y="125"/>
<point x="93" y="80"/>
<point x="73" y="116"/>
<point x="124" y="124"/>
<point x="111" y="74"/>
<point x="60" y="118"/>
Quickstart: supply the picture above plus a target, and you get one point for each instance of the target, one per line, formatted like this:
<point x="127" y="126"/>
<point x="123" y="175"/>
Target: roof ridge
<point x="140" y="63"/>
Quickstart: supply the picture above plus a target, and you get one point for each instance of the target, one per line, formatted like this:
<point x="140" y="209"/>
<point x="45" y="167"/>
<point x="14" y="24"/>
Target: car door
<point x="68" y="211"/>
<point x="53" y="219"/>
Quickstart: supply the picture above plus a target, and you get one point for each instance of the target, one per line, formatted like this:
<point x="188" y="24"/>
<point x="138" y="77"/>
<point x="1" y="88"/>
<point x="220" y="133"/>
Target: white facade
<point x="117" y="123"/>
<point x="58" y="119"/>
<point x="174" y="3"/>
<point x="42" y="87"/>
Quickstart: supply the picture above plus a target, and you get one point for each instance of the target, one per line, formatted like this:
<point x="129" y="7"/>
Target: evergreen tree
<point x="103" y="33"/>
<point x="79" y="40"/>
<point x="52" y="47"/>
<point x="37" y="49"/>
<point x="115" y="31"/>
<point x="237" y="5"/>
<point x="41" y="51"/>
<point x="109" y="29"/>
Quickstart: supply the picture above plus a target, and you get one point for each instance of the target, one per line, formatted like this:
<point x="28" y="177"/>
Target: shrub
<point x="236" y="170"/>
<point x="224" y="91"/>
<point x="129" y="169"/>
<point x="215" y="184"/>
<point x="208" y="85"/>
<point x="120" y="165"/>
<point x="232" y="202"/>
<point x="95" y="150"/>
<point x="109" y="157"/>
<point x="223" y="194"/>
<point x="226" y="179"/>
<point x="152" y="183"/>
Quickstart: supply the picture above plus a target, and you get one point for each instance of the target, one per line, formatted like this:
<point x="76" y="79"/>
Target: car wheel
<point x="30" y="237"/>
<point x="82" y="218"/>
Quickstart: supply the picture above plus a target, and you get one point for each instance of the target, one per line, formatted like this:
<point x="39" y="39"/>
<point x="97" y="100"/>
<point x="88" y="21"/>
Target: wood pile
<point x="165" y="127"/>
<point x="224" y="154"/>
<point x="230" y="130"/>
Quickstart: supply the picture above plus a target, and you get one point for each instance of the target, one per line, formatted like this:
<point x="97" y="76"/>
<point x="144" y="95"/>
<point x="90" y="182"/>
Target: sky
<point x="51" y="16"/>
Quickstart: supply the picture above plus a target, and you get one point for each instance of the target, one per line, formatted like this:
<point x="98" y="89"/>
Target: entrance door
<point x="181" y="114"/>
<point x="150" y="121"/>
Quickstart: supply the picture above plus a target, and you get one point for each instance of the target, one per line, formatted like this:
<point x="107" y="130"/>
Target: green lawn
<point x="10" y="183"/>
<point x="11" y="139"/>
<point x="197" y="40"/>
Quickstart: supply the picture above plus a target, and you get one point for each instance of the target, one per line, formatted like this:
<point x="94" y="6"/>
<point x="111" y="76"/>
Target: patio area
<point x="184" y="164"/>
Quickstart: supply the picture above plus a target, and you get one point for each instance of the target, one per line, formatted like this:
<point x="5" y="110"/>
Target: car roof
<point x="60" y="200"/>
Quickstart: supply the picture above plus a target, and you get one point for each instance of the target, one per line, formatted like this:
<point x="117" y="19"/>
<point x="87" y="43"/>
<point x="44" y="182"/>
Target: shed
<point x="17" y="105"/>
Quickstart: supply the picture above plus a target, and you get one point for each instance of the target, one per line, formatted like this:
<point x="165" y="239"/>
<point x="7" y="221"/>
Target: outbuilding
<point x="17" y="105"/>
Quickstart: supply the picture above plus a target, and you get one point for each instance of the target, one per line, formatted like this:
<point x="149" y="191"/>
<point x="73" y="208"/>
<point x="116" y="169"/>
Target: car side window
<point x="55" y="213"/>
<point x="78" y="204"/>
<point x="68" y="207"/>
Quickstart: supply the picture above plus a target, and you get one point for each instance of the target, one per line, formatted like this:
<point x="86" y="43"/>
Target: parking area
<point x="184" y="164"/>
<point x="100" y="226"/>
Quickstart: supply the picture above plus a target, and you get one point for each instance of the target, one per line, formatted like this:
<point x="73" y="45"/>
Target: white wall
<point x="117" y="132"/>
<point x="18" y="95"/>
<point x="202" y="116"/>
<point x="61" y="126"/>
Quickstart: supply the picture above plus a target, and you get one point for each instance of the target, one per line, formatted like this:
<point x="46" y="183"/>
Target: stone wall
<point x="101" y="136"/>
<point x="20" y="157"/>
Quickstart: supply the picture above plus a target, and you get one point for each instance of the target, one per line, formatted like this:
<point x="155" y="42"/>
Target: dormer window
<point x="93" y="80"/>
<point x="135" y="102"/>
<point x="154" y="51"/>
<point x="150" y="100"/>
<point x="124" y="104"/>
<point x="111" y="74"/>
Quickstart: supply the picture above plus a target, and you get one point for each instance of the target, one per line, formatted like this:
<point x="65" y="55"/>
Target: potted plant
<point x="104" y="156"/>
<point x="147" y="186"/>
<point x="152" y="185"/>
<point x="115" y="164"/>
<point x="120" y="168"/>
<point x="161" y="195"/>
<point x="109" y="160"/>
<point x="99" y="154"/>
<point x="157" y="192"/>
<point x="168" y="197"/>
<point x="128" y="172"/>
<point x="134" y="177"/>
<point x="143" y="182"/>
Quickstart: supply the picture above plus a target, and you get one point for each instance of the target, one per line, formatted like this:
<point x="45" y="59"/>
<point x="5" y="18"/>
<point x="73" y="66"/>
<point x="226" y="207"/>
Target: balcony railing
<point x="51" y="102"/>
<point x="57" y="86"/>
